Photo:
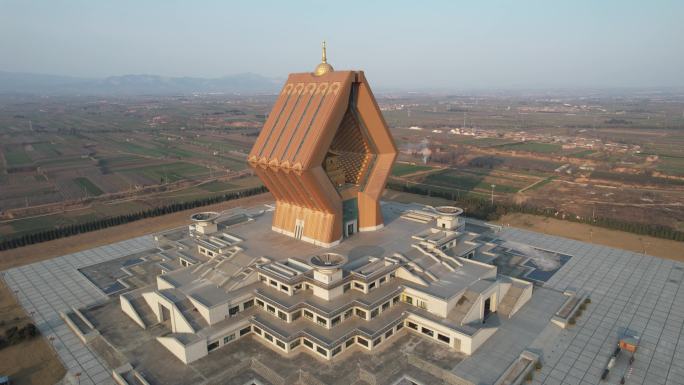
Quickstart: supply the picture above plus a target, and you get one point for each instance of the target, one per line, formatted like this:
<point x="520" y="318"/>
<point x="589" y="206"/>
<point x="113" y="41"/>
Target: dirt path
<point x="522" y="190"/>
<point x="62" y="246"/>
<point x="592" y="234"/>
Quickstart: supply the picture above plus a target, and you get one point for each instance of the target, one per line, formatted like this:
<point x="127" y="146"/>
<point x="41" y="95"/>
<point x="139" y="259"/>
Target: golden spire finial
<point x="324" y="58"/>
<point x="324" y="67"/>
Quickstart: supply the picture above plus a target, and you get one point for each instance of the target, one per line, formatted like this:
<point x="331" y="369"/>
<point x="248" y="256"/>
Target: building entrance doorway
<point x="487" y="308"/>
<point x="349" y="229"/>
<point x="350" y="217"/>
<point x="165" y="313"/>
<point x="299" y="229"/>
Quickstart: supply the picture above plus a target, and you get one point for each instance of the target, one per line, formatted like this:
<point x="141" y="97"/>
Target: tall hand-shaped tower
<point x="325" y="153"/>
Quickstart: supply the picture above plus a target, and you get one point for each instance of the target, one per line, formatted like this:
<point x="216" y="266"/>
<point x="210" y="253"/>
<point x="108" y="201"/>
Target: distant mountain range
<point x="248" y="83"/>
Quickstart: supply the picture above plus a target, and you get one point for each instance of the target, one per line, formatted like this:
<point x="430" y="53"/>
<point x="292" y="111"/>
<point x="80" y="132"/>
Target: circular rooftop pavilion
<point x="205" y="216"/>
<point x="328" y="261"/>
<point x="451" y="211"/>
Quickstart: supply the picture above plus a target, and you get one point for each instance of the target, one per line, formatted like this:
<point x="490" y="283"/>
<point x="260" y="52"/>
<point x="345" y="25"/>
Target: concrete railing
<point x="140" y="378"/>
<point x="119" y="374"/>
<point x="566" y="314"/>
<point x="83" y="318"/>
<point x="118" y="378"/>
<point x="84" y="335"/>
<point x="517" y="372"/>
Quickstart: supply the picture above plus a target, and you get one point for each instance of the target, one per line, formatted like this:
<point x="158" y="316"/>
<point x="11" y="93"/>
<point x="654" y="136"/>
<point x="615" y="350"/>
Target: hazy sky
<point x="446" y="44"/>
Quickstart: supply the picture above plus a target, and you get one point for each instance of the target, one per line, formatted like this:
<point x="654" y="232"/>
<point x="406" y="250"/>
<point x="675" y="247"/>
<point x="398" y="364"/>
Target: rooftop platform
<point x="260" y="240"/>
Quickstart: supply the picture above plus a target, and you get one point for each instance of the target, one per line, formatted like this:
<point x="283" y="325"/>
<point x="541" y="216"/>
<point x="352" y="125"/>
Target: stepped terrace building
<point x="325" y="153"/>
<point x="422" y="275"/>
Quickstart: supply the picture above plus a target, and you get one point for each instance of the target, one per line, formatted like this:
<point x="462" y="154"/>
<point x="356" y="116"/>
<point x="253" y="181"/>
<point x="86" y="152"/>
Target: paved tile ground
<point x="630" y="291"/>
<point x="46" y="288"/>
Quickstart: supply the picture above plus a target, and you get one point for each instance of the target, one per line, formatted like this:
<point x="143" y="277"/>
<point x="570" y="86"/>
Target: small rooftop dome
<point x="450" y="211"/>
<point x="328" y="261"/>
<point x="323" y="68"/>
<point x="205" y="216"/>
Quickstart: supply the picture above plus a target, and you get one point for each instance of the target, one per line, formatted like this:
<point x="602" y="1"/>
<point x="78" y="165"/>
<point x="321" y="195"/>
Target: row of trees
<point x="78" y="228"/>
<point x="474" y="206"/>
<point x="482" y="208"/>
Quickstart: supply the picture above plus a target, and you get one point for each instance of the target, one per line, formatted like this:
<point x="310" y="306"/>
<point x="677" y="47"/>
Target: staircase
<point x="509" y="300"/>
<point x="191" y="315"/>
<point x="144" y="311"/>
<point x="463" y="306"/>
<point x="439" y="256"/>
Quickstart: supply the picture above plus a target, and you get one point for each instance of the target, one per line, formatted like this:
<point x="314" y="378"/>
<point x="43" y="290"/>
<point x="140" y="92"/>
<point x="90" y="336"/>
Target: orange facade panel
<point x="327" y="117"/>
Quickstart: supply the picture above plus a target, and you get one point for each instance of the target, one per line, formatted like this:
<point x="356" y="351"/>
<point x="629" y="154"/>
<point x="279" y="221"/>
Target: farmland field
<point x="66" y="160"/>
<point x="671" y="165"/>
<point x="582" y="154"/>
<point x="88" y="186"/>
<point x="46" y="149"/>
<point x="104" y="210"/>
<point x="16" y="156"/>
<point x="401" y="169"/>
<point x="167" y="172"/>
<point x="545" y="148"/>
<point x="476" y="180"/>
<point x="486" y="142"/>
<point x="217" y="186"/>
<point x="47" y="222"/>
<point x="75" y="158"/>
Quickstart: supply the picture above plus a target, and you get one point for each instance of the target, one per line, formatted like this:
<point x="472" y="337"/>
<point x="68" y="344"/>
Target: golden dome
<point x="324" y="67"/>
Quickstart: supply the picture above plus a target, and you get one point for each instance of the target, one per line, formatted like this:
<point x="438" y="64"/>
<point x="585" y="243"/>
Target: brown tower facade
<point x="325" y="153"/>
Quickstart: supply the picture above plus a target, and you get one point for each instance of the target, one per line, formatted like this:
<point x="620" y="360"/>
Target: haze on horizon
<point x="401" y="44"/>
